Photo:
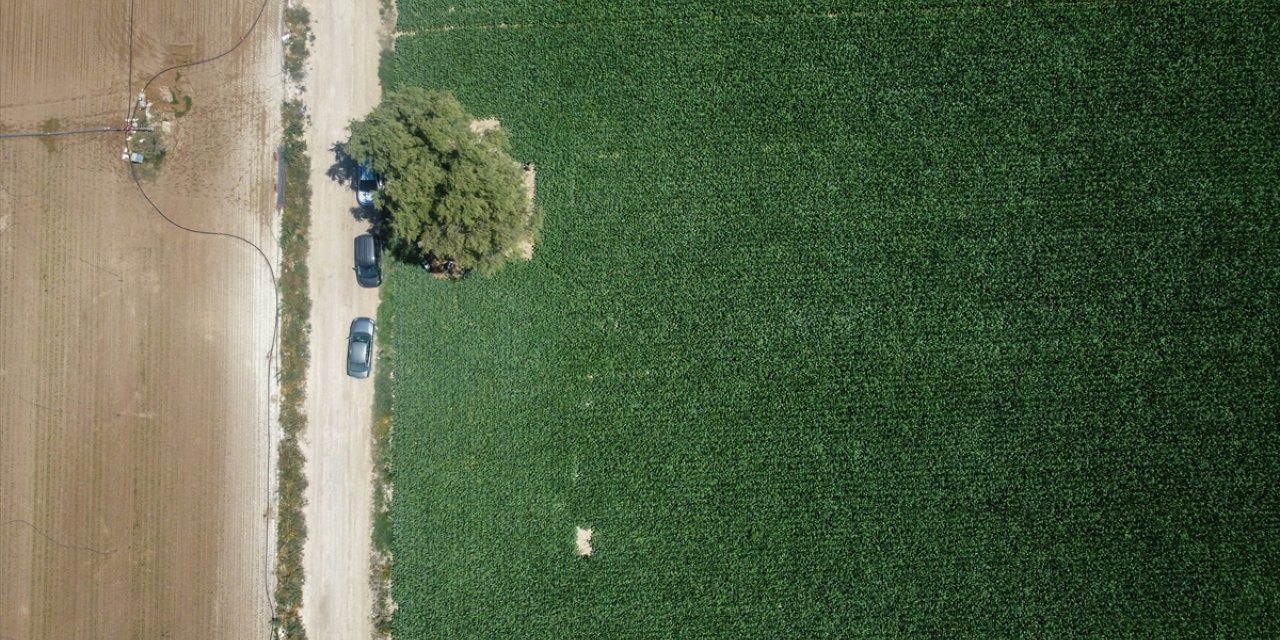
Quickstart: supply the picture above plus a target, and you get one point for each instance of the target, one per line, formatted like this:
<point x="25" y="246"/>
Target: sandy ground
<point x="342" y="85"/>
<point x="133" y="392"/>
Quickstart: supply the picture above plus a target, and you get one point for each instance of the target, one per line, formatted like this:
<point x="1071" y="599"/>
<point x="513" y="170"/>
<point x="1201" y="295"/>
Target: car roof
<point x="358" y="351"/>
<point x="366" y="249"/>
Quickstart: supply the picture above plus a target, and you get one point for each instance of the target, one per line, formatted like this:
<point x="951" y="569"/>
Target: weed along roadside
<point x="381" y="562"/>
<point x="294" y="358"/>
<point x="295" y="311"/>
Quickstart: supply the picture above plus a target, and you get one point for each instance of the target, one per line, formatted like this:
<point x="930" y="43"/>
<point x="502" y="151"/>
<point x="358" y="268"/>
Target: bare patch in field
<point x="485" y="125"/>
<point x="523" y="249"/>
<point x="582" y="541"/>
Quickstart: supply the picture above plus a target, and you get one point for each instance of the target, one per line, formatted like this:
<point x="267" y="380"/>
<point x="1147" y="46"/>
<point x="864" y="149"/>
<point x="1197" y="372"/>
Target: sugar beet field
<point x="852" y="320"/>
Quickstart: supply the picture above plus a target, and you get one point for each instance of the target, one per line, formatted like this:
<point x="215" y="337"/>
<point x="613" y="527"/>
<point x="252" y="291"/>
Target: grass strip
<point x="291" y="527"/>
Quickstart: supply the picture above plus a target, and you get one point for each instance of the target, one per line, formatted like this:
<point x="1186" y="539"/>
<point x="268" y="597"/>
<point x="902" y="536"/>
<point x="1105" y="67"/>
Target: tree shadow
<point x="368" y="214"/>
<point x="344" y="171"/>
<point x="344" y="168"/>
<point x="365" y="214"/>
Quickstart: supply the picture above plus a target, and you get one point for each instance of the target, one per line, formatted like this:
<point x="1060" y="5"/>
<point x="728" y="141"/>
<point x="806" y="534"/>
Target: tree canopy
<point x="452" y="192"/>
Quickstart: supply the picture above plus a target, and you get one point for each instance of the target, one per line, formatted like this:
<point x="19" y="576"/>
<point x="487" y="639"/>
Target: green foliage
<point x="186" y="107"/>
<point x="383" y="532"/>
<point x="295" y="329"/>
<point x="451" y="193"/>
<point x="908" y="321"/>
<point x="151" y="145"/>
<point x="298" y="40"/>
<point x="50" y="125"/>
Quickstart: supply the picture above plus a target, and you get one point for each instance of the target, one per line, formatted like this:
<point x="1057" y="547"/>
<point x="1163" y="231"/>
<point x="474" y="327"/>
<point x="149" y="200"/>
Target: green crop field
<point x="882" y="319"/>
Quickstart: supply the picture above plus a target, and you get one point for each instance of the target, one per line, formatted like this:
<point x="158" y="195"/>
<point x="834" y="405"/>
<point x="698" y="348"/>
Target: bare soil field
<point x="134" y="396"/>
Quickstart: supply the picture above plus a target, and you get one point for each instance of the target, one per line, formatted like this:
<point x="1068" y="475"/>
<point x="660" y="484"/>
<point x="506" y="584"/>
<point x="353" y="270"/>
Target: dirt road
<point x="342" y="85"/>
<point x="133" y="390"/>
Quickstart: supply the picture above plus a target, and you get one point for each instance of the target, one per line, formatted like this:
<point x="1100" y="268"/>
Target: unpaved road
<point x="342" y="85"/>
<point x="133" y="387"/>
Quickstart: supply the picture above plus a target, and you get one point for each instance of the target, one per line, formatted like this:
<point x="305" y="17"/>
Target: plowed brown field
<point x="133" y="382"/>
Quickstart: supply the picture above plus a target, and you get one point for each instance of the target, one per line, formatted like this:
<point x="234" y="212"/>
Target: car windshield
<point x="367" y="270"/>
<point x="367" y="177"/>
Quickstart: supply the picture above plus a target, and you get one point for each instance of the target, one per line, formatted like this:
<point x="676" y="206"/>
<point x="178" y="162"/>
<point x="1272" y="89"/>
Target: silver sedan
<point x="360" y="348"/>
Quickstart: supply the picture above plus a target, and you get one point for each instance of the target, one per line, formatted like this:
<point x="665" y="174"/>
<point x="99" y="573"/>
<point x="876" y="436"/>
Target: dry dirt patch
<point x="523" y="249"/>
<point x="483" y="126"/>
<point x="582" y="541"/>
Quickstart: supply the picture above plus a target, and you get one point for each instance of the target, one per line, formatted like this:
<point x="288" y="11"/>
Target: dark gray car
<point x="368" y="261"/>
<point x="360" y="348"/>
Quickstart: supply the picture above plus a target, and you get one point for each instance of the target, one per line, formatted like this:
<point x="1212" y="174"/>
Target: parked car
<point x="368" y="261"/>
<point x="367" y="181"/>
<point x="360" y="348"/>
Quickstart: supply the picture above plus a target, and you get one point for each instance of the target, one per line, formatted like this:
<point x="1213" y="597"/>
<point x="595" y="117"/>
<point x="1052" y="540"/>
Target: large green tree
<point x="452" y="190"/>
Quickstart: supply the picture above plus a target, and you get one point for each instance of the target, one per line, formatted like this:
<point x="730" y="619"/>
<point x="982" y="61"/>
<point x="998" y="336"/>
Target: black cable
<point x="129" y="79"/>
<point x="46" y="134"/>
<point x="133" y="106"/>
<point x="275" y="284"/>
<point x="73" y="547"/>
<point x="270" y="351"/>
